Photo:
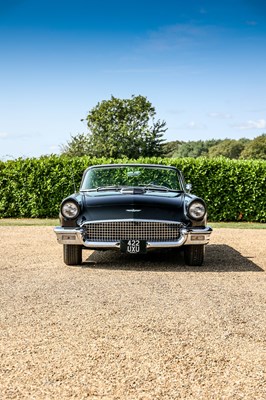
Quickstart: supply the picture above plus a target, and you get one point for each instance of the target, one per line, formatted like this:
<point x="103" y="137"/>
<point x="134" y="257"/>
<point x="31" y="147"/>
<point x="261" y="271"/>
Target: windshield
<point x="118" y="177"/>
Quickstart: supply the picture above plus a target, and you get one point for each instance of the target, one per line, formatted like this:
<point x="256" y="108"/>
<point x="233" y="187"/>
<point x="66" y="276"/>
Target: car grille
<point x="109" y="231"/>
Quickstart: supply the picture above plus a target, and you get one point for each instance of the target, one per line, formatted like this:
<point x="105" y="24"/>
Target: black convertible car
<point x="133" y="208"/>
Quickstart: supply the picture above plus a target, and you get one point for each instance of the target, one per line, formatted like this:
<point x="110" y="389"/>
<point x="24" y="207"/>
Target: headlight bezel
<point x="75" y="209"/>
<point x="198" y="205"/>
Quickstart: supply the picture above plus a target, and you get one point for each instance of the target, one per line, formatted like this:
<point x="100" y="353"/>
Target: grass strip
<point x="55" y="222"/>
<point x="29" y="222"/>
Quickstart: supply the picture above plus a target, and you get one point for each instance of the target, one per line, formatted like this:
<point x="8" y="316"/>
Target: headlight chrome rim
<point x="196" y="210"/>
<point x="70" y="209"/>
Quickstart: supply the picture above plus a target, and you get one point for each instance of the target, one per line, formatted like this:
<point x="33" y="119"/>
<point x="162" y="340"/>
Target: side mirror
<point x="188" y="187"/>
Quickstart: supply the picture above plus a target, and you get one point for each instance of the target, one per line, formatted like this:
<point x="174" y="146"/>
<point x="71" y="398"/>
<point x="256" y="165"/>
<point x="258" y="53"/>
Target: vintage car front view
<point x="133" y="208"/>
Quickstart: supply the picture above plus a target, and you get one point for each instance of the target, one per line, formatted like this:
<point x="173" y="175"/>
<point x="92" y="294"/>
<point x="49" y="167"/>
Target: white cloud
<point x="175" y="36"/>
<point x="203" y="11"/>
<point x="251" y="23"/>
<point x="220" y="115"/>
<point x="3" y="135"/>
<point x="193" y="125"/>
<point x="176" y="111"/>
<point x="259" y="124"/>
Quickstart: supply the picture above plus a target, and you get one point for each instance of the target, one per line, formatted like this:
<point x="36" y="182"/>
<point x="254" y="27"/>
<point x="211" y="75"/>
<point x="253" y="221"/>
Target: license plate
<point x="133" y="246"/>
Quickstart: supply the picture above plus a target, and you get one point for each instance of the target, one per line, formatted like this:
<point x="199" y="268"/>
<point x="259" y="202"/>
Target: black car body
<point x="133" y="208"/>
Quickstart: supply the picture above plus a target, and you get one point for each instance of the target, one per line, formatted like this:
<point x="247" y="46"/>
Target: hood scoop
<point x="132" y="190"/>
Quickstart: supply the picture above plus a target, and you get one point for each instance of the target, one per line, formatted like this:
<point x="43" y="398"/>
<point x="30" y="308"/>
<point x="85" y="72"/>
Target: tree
<point x="170" y="148"/>
<point x="229" y="148"/>
<point x="79" y="145"/>
<point x="121" y="127"/>
<point x="255" y="149"/>
<point x="198" y="148"/>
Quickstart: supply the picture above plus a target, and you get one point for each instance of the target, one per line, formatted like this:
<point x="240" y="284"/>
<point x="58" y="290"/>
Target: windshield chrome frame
<point x="180" y="176"/>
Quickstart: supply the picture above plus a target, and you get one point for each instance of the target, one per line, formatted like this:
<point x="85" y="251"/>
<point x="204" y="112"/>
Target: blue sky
<point x="201" y="63"/>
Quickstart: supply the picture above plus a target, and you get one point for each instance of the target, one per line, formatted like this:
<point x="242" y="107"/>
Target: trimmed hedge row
<point x="233" y="189"/>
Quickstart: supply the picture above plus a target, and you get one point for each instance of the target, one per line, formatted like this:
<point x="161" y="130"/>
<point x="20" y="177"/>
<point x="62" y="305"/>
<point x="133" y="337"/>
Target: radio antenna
<point x="73" y="179"/>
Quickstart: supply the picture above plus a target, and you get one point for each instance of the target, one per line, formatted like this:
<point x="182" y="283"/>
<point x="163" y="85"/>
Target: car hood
<point x="162" y="206"/>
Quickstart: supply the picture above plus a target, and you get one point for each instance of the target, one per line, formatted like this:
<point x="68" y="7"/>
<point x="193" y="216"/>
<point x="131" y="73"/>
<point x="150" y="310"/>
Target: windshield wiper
<point x="160" y="188"/>
<point x="106" y="188"/>
<point x="151" y="186"/>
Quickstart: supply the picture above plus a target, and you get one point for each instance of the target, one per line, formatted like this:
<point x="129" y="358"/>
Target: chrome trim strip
<point x="132" y="220"/>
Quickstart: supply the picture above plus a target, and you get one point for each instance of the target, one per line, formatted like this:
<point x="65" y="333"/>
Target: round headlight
<point x="70" y="209"/>
<point x="196" y="210"/>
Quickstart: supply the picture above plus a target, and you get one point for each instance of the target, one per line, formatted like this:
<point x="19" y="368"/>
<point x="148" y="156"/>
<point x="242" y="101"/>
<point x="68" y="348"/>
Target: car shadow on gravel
<point x="219" y="258"/>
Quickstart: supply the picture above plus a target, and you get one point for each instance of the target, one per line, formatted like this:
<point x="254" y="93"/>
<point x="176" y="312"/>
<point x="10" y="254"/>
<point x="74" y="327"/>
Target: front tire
<point x="72" y="254"/>
<point x="194" y="254"/>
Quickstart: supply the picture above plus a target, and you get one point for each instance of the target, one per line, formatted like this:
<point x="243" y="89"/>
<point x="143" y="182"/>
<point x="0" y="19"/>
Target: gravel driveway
<point x="125" y="327"/>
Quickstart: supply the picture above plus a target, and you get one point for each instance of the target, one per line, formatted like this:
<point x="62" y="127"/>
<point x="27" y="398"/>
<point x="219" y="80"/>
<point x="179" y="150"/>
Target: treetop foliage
<point x="228" y="148"/>
<point x="118" y="128"/>
<point x="255" y="149"/>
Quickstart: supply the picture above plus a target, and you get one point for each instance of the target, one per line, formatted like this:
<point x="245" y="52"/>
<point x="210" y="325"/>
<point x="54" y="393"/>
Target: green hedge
<point x="233" y="189"/>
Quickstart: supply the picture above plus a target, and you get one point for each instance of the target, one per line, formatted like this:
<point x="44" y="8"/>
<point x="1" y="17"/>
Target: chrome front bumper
<point x="188" y="236"/>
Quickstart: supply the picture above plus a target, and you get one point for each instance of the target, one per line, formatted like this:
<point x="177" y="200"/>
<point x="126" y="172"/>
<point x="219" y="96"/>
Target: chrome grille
<point x="108" y="231"/>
